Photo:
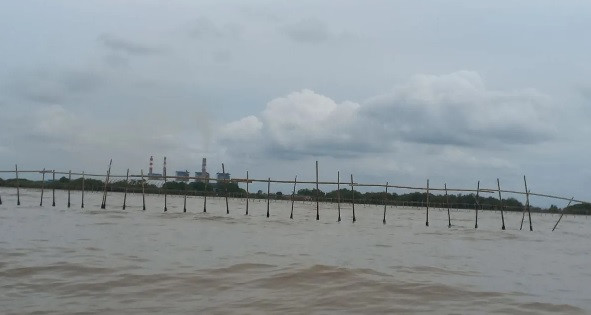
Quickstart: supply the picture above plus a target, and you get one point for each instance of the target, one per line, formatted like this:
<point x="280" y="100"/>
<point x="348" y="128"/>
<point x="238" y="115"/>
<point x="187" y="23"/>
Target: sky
<point x="400" y="91"/>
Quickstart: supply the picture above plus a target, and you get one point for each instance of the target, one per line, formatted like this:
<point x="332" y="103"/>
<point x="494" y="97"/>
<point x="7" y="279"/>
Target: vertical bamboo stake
<point x="104" y="204"/>
<point x="353" y="198"/>
<point x="226" y="190"/>
<point x="477" y="204"/>
<point x="143" y="191"/>
<point x="293" y="196"/>
<point x="185" y="200"/>
<point x="18" y="193"/>
<point x="205" y="195"/>
<point x="83" y="179"/>
<point x="126" y="185"/>
<point x="501" y="205"/>
<point x="427" y="220"/>
<point x="268" y="194"/>
<point x="164" y="187"/>
<point x="339" y="194"/>
<point x="53" y="190"/>
<point x="527" y="204"/>
<point x="447" y="202"/>
<point x="317" y="194"/>
<point x="69" y="186"/>
<point x="42" y="188"/>
<point x="554" y="228"/>
<point x="247" y="192"/>
<point x="385" y="199"/>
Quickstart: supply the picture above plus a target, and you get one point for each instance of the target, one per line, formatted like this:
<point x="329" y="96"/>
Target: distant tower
<point x="203" y="166"/>
<point x="151" y="165"/>
<point x="164" y="167"/>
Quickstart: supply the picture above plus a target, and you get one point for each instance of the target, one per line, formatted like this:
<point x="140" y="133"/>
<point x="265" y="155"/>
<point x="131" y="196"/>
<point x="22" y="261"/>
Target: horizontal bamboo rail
<point x="266" y="180"/>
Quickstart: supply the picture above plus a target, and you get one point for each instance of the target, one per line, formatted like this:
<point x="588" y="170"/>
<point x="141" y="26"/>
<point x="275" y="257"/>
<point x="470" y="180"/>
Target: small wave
<point x="537" y="307"/>
<point x="434" y="270"/>
<point x="239" y="268"/>
<point x="66" y="269"/>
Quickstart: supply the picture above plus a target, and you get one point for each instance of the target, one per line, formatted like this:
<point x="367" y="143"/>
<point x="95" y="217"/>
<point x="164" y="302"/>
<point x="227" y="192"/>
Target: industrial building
<point x="182" y="176"/>
<point x="223" y="176"/>
<point x="203" y="176"/>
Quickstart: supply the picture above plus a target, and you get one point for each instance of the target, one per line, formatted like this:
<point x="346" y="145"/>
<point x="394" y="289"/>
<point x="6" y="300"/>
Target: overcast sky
<point x="398" y="91"/>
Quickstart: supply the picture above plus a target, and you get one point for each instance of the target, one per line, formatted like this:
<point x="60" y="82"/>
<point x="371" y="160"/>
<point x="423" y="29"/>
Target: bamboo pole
<point x="427" y="220"/>
<point x="143" y="191"/>
<point x="164" y="187"/>
<point x="126" y="186"/>
<point x="268" y="195"/>
<point x="69" y="187"/>
<point x="293" y="196"/>
<point x="528" y="207"/>
<point x="477" y="204"/>
<point x="353" y="198"/>
<point x="104" y="204"/>
<point x="501" y="205"/>
<point x="53" y="188"/>
<point x="42" y="188"/>
<point x="339" y="194"/>
<point x="524" y="209"/>
<point x="317" y="195"/>
<point x="385" y="199"/>
<point x="554" y="228"/>
<point x="247" y="193"/>
<point x="226" y="190"/>
<point x="447" y="202"/>
<point x="205" y="195"/>
<point x="18" y="192"/>
<point x="83" y="179"/>
<point x="185" y="200"/>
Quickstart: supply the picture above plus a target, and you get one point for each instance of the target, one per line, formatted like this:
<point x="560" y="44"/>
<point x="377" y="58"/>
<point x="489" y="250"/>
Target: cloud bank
<point x="455" y="109"/>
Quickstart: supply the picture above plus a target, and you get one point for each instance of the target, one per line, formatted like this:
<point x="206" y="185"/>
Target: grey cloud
<point x="222" y="56"/>
<point x="457" y="109"/>
<point x="127" y="46"/>
<point x="116" y="60"/>
<point x="204" y="28"/>
<point x="586" y="92"/>
<point x="52" y="87"/>
<point x="324" y="149"/>
<point x="310" y="31"/>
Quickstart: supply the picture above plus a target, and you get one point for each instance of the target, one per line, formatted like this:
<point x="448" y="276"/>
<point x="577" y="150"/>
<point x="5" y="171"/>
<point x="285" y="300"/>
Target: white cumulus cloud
<point x="454" y="109"/>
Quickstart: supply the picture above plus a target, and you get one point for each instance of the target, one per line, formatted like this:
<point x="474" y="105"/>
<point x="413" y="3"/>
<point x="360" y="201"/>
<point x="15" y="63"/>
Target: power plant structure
<point x="223" y="176"/>
<point x="203" y="176"/>
<point x="151" y="174"/>
<point x="184" y="176"/>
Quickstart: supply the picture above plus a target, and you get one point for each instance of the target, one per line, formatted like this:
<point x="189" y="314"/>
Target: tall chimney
<point x="151" y="164"/>
<point x="203" y="166"/>
<point x="164" y="168"/>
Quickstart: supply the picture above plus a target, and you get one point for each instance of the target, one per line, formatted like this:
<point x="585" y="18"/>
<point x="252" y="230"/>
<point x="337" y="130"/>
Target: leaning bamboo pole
<point x="555" y="225"/>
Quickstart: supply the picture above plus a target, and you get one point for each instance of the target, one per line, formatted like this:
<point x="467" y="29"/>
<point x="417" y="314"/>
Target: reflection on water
<point x="59" y="260"/>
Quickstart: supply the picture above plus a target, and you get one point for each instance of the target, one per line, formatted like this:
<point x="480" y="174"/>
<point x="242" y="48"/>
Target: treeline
<point x="413" y="199"/>
<point x="416" y="199"/>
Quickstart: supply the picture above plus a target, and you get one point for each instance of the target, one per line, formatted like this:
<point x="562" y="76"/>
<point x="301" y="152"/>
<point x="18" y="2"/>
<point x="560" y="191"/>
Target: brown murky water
<point x="55" y="260"/>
